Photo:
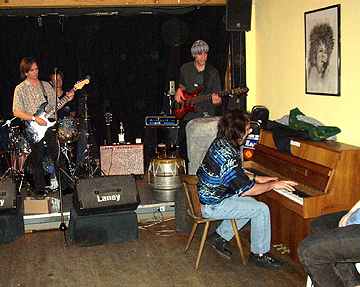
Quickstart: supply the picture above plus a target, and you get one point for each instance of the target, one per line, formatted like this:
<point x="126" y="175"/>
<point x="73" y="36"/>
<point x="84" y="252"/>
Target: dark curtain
<point x="130" y="59"/>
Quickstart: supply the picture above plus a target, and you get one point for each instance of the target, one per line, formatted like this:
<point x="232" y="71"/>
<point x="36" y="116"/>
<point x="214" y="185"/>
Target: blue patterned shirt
<point x="221" y="174"/>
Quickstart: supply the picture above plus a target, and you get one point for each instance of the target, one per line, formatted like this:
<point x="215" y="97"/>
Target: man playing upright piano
<point x="226" y="190"/>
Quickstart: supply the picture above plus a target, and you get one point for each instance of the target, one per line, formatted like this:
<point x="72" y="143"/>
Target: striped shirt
<point x="221" y="174"/>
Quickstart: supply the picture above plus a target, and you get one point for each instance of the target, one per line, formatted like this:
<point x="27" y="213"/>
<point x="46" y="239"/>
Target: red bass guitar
<point x="187" y="105"/>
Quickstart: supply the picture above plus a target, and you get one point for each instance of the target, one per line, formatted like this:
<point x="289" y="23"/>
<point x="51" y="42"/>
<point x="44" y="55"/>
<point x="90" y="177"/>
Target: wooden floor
<point x="156" y="259"/>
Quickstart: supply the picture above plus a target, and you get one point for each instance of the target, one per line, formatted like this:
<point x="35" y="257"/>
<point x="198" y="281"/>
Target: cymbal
<point x="86" y="95"/>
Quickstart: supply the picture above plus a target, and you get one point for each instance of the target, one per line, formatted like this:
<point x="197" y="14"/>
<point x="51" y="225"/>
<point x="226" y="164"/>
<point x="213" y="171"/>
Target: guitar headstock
<point x="80" y="84"/>
<point x="241" y="90"/>
<point x="108" y="118"/>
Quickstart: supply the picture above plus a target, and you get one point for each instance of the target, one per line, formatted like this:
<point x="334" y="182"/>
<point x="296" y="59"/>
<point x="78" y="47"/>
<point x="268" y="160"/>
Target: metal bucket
<point x="164" y="177"/>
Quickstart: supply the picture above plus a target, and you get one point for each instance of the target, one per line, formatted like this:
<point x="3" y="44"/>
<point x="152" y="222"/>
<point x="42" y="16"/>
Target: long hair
<point x="232" y="126"/>
<point x="25" y="66"/>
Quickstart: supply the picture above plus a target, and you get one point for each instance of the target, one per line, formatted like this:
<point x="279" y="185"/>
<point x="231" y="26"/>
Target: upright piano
<point x="328" y="173"/>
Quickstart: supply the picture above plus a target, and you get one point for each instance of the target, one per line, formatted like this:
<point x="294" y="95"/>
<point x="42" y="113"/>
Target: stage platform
<point x="146" y="209"/>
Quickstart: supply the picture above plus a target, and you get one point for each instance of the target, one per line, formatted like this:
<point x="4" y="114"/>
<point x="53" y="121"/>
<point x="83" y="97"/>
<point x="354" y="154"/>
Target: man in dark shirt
<point x="194" y="75"/>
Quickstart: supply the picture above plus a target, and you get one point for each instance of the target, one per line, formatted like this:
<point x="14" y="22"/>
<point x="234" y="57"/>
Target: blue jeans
<point x="243" y="209"/>
<point x="329" y="254"/>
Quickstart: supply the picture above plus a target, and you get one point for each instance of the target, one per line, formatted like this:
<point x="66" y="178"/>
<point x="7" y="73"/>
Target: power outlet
<point x="162" y="208"/>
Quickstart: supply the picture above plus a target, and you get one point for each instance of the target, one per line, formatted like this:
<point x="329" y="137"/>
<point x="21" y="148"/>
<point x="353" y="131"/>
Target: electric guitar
<point x="187" y="105"/>
<point x="108" y="120"/>
<point x="35" y="132"/>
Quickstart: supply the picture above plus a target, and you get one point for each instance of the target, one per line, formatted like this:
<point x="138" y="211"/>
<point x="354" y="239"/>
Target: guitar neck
<point x="108" y="129"/>
<point x="203" y="98"/>
<point x="59" y="104"/>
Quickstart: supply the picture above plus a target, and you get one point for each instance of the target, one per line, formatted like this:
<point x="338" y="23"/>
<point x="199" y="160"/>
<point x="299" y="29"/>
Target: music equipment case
<point x="106" y="194"/>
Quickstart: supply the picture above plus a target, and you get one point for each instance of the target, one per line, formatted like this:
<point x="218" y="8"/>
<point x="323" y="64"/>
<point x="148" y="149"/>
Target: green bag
<point x="316" y="132"/>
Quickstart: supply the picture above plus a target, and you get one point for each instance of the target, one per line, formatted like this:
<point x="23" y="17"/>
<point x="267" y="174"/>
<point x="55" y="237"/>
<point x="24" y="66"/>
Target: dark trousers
<point x="37" y="157"/>
<point x="330" y="253"/>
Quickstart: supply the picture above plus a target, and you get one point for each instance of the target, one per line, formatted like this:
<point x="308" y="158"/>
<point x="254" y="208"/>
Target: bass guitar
<point x="187" y="105"/>
<point x="35" y="132"/>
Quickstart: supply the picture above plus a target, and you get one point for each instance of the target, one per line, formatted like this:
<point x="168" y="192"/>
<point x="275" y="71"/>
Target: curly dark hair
<point x="232" y="126"/>
<point x="320" y="33"/>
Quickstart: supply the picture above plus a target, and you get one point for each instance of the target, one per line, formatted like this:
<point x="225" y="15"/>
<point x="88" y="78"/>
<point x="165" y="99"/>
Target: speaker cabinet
<point x="100" y="229"/>
<point x="238" y="15"/>
<point x="106" y="194"/>
<point x="9" y="202"/>
<point x="122" y="159"/>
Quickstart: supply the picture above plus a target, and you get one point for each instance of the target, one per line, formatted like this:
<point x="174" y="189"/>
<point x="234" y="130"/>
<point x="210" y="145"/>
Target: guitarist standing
<point x="29" y="95"/>
<point x="194" y="75"/>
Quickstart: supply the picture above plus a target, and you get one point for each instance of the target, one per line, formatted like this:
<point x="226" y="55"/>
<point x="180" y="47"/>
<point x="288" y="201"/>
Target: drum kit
<point x="16" y="151"/>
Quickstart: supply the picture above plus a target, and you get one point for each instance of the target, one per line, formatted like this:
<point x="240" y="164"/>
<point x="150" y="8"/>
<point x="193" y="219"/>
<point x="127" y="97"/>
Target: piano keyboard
<point x="292" y="196"/>
<point x="296" y="196"/>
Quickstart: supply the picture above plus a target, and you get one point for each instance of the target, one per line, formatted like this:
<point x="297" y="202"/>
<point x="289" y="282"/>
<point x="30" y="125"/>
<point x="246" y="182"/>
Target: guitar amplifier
<point x="122" y="159"/>
<point x="162" y="121"/>
<point x="9" y="201"/>
<point x="106" y="194"/>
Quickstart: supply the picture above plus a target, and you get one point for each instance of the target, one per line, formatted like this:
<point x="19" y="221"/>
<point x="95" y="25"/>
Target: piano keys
<point x="327" y="175"/>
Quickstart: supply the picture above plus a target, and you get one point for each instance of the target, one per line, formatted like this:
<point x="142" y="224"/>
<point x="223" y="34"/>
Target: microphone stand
<point x="8" y="122"/>
<point x="62" y="226"/>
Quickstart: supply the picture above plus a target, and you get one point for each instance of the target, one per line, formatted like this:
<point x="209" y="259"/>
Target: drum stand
<point x="12" y="152"/>
<point x="66" y="150"/>
<point x="16" y="170"/>
<point x="90" y="164"/>
<point x="4" y="154"/>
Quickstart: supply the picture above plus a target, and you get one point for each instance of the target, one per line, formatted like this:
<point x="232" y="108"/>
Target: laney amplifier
<point x="106" y="194"/>
<point x="9" y="201"/>
<point x="122" y="159"/>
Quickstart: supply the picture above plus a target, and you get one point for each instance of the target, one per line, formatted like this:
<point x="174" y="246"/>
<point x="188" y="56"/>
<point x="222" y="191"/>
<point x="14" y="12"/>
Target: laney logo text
<point x="114" y="197"/>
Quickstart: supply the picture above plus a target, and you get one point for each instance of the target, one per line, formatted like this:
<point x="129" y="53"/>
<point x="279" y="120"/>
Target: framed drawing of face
<point x="322" y="46"/>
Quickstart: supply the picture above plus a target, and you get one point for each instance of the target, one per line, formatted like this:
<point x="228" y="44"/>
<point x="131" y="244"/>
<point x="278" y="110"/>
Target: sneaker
<point x="266" y="260"/>
<point x="220" y="244"/>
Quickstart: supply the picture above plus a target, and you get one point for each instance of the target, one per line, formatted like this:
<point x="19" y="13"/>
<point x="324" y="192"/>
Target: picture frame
<point x="322" y="50"/>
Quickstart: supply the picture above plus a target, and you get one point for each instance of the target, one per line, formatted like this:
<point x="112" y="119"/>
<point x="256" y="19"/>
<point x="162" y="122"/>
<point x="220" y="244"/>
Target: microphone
<point x="172" y="88"/>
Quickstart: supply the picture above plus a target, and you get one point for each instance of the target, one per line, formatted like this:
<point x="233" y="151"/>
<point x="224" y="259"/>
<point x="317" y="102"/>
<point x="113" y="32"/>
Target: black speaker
<point x="238" y="15"/>
<point x="9" y="202"/>
<point x="106" y="194"/>
<point x="99" y="229"/>
<point x="11" y="227"/>
<point x="260" y="114"/>
<point x="155" y="135"/>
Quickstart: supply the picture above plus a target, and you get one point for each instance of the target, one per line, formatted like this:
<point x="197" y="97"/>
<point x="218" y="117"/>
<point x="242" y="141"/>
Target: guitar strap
<point x="44" y="93"/>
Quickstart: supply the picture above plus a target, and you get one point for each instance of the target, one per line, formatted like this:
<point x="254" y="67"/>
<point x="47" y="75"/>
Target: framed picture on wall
<point x="322" y="40"/>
